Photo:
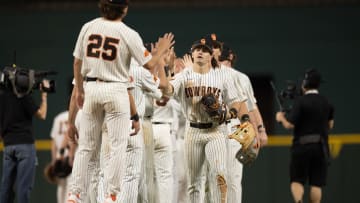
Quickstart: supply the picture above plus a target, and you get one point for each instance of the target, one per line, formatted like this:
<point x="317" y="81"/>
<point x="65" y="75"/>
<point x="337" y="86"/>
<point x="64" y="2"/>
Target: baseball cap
<point x="312" y="78"/>
<point x="119" y="2"/>
<point x="202" y="43"/>
<point x="213" y="39"/>
<point x="225" y="53"/>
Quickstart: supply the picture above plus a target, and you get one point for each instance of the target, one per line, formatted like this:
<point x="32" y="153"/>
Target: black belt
<point x="201" y="125"/>
<point x="156" y="123"/>
<point x="89" y="79"/>
<point x="310" y="139"/>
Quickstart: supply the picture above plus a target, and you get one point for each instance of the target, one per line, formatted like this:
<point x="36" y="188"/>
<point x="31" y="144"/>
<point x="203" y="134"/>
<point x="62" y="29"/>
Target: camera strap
<point x="12" y="78"/>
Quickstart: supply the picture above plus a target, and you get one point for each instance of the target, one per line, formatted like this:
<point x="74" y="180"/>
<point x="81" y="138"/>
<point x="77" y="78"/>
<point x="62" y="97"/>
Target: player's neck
<point x="201" y="68"/>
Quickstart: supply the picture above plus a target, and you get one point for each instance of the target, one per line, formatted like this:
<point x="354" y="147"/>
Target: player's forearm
<point x="77" y="74"/>
<point x="73" y="109"/>
<point x="133" y="110"/>
<point x="164" y="83"/>
<point x="256" y="116"/>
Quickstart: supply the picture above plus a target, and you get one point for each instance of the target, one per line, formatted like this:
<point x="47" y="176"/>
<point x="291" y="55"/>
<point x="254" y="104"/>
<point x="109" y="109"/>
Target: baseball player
<point x="204" y="140"/>
<point x="143" y="82"/>
<point x="58" y="133"/>
<point x="226" y="57"/>
<point x="102" y="56"/>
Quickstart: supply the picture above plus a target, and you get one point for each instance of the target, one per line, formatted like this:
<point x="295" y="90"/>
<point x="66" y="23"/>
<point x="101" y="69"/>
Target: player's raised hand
<point x="187" y="61"/>
<point x="165" y="42"/>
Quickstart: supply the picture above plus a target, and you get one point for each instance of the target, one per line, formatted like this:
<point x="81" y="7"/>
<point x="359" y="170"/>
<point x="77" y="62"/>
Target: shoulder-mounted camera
<point x="23" y="81"/>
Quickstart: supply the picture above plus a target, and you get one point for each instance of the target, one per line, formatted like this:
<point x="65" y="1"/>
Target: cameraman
<point x="17" y="133"/>
<point x="311" y="118"/>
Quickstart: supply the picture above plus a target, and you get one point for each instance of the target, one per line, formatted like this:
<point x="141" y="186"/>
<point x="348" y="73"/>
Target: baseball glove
<point x="49" y="174"/>
<point x="245" y="134"/>
<point x="62" y="168"/>
<point x="213" y="108"/>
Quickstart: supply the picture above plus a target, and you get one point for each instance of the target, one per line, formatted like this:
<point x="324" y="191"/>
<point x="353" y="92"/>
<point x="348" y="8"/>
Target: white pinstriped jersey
<point x="189" y="87"/>
<point x="105" y="48"/>
<point x="144" y="83"/>
<point x="59" y="128"/>
<point x="242" y="82"/>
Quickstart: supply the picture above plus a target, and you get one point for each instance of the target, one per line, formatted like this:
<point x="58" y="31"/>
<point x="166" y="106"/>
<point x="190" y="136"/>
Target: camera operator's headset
<point x="17" y="77"/>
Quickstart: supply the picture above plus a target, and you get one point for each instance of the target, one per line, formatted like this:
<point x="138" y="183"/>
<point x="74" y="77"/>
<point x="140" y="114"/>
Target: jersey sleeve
<point x="177" y="84"/>
<point x="79" y="51"/>
<point x="233" y="93"/>
<point x="251" y="101"/>
<point x="150" y="84"/>
<point x="137" y="49"/>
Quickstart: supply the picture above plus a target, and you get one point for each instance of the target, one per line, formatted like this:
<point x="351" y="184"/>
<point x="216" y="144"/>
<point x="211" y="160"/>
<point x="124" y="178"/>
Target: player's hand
<point x="136" y="126"/>
<point x="164" y="43"/>
<point x="163" y="101"/>
<point x="187" y="61"/>
<point x="72" y="133"/>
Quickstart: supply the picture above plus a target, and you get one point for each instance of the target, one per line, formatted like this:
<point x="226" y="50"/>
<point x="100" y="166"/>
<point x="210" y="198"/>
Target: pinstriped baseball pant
<point x="134" y="160"/>
<point x="109" y="102"/>
<point x="147" y="186"/>
<point x="163" y="163"/>
<point x="205" y="146"/>
<point x="235" y="168"/>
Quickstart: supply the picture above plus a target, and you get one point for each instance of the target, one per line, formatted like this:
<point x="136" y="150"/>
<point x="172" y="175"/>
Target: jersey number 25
<point x="106" y="47"/>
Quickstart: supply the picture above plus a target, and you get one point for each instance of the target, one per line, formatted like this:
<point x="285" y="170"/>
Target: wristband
<point x="135" y="117"/>
<point x="172" y="74"/>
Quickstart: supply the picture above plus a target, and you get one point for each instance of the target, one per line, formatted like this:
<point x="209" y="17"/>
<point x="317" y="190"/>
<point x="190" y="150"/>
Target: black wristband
<point x="172" y="74"/>
<point x="135" y="117"/>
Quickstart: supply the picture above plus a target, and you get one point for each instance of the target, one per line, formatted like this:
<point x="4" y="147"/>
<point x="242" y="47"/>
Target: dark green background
<point x="278" y="42"/>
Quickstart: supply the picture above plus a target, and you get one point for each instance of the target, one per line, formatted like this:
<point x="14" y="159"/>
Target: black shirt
<point x="17" y="115"/>
<point x="311" y="114"/>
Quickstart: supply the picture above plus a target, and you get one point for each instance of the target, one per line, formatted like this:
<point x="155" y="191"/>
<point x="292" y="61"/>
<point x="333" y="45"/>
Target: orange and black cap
<point x="202" y="43"/>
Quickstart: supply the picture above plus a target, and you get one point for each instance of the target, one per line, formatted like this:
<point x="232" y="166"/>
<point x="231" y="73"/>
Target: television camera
<point x="23" y="81"/>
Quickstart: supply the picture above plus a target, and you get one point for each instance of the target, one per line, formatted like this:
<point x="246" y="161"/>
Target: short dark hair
<point x="111" y="11"/>
<point x="312" y="79"/>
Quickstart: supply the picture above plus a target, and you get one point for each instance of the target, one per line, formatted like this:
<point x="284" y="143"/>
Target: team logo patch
<point x="146" y="53"/>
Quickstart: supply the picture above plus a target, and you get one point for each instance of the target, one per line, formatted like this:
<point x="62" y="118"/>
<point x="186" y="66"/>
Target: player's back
<point x="107" y="47"/>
